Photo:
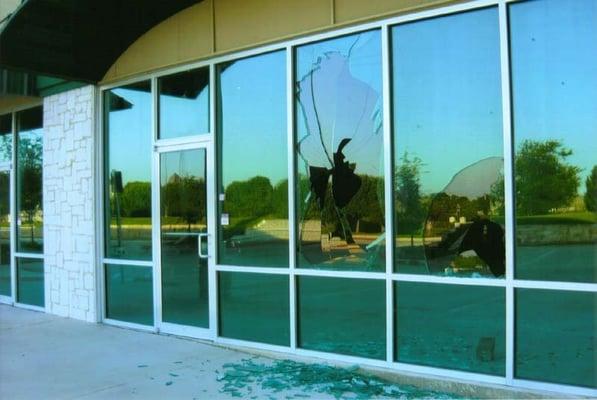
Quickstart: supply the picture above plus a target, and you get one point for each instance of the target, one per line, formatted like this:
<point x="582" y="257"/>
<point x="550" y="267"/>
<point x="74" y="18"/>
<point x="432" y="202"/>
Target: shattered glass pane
<point x="340" y="180"/>
<point x="448" y="146"/>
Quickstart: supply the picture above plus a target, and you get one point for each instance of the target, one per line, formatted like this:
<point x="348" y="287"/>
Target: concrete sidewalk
<point x="48" y="357"/>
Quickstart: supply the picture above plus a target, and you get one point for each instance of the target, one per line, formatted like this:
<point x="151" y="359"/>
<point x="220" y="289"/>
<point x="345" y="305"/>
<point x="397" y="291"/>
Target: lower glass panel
<point x="30" y="281"/>
<point x="555" y="336"/>
<point x="5" y="278"/>
<point x="451" y="326"/>
<point x="129" y="293"/>
<point x="254" y="307"/>
<point x="339" y="315"/>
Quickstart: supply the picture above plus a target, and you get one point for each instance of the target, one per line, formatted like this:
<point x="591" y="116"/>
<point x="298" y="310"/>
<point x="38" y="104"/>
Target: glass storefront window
<point x="29" y="180"/>
<point x="30" y="281"/>
<point x="448" y="146"/>
<point x="254" y="307"/>
<point x="253" y="170"/>
<point x="554" y="94"/>
<point x="184" y="104"/>
<point x="344" y="316"/>
<point x="555" y="338"/>
<point x="340" y="178"/>
<point x="5" y="264"/>
<point x="127" y="178"/>
<point x="129" y="293"/>
<point x="5" y="138"/>
<point x="451" y="326"/>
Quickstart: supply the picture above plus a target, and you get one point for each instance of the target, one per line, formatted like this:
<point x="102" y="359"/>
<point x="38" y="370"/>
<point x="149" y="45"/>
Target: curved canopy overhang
<point x="77" y="40"/>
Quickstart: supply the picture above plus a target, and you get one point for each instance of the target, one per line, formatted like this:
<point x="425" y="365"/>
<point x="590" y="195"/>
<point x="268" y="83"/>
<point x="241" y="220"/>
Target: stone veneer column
<point x="68" y="204"/>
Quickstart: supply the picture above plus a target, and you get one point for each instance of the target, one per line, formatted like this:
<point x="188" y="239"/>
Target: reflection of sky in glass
<point x="554" y="75"/>
<point x="446" y="89"/>
<point x="339" y="93"/>
<point x="185" y="164"/>
<point x="130" y="137"/>
<point x="252" y="118"/>
<point x="184" y="116"/>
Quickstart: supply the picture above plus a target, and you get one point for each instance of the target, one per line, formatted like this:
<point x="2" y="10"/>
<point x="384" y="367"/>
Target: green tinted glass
<point x="448" y="146"/>
<point x="129" y="293"/>
<point x="29" y="181"/>
<point x="183" y="217"/>
<point x="6" y="138"/>
<point x="346" y="316"/>
<point x="30" y="281"/>
<point x="340" y="177"/>
<point x="254" y="307"/>
<point x="5" y="271"/>
<point x="184" y="104"/>
<point x="556" y="334"/>
<point x="253" y="175"/>
<point x="451" y="326"/>
<point x="555" y="132"/>
<point x="127" y="124"/>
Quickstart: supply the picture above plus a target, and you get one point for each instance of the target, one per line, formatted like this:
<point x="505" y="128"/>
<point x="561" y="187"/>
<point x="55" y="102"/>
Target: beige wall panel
<point x="350" y="10"/>
<point x="241" y="23"/>
<point x="185" y="36"/>
<point x="9" y="103"/>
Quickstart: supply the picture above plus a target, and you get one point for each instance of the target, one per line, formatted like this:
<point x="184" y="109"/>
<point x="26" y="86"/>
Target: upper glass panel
<point x="340" y="179"/>
<point x="253" y="173"/>
<point x="448" y="146"/>
<point x="127" y="124"/>
<point x="554" y="90"/>
<point x="5" y="138"/>
<point x="184" y="104"/>
<point x="29" y="180"/>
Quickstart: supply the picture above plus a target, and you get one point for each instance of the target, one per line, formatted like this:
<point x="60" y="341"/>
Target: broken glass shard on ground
<point x="300" y="380"/>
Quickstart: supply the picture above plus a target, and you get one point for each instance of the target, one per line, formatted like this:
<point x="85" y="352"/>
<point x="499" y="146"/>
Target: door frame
<point x="196" y="143"/>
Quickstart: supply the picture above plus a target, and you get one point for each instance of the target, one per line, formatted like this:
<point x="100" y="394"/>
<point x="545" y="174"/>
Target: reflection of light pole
<point x="116" y="181"/>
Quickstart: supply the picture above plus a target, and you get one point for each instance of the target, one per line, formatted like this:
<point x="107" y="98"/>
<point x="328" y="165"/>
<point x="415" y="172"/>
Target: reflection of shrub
<point x="591" y="194"/>
<point x="249" y="198"/>
<point x="544" y="180"/>
<point x="474" y="262"/>
<point x="135" y="200"/>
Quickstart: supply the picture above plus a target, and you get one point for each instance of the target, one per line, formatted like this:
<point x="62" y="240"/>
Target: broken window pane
<point x="340" y="178"/>
<point x="448" y="146"/>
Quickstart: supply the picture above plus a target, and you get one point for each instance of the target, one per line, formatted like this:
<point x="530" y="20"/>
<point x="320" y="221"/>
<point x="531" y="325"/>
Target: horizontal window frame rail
<point x="36" y="256"/>
<point x="132" y="263"/>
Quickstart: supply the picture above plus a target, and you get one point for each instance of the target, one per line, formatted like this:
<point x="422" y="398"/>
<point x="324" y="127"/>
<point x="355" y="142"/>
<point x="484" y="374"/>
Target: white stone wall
<point x="68" y="204"/>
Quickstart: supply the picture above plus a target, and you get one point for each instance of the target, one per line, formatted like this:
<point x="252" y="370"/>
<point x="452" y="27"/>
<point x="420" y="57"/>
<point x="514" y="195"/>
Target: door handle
<point x="199" y="241"/>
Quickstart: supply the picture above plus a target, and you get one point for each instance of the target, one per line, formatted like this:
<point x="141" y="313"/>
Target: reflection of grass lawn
<point x="570" y="218"/>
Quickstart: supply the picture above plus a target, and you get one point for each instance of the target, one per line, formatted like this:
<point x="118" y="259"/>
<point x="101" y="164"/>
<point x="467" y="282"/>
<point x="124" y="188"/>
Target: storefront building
<point x="236" y="169"/>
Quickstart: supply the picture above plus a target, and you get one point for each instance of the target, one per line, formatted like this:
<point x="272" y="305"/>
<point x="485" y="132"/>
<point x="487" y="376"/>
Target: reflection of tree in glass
<point x="30" y="171"/>
<point x="544" y="179"/>
<point x="408" y="203"/>
<point x="591" y="193"/>
<point x="136" y="200"/>
<point x="184" y="197"/>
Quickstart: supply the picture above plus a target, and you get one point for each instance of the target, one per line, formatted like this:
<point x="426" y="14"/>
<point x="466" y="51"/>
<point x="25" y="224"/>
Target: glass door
<point x="184" y="260"/>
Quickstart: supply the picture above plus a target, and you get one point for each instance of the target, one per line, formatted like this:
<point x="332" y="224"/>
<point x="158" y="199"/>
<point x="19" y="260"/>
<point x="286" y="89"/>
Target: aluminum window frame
<point x="509" y="283"/>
